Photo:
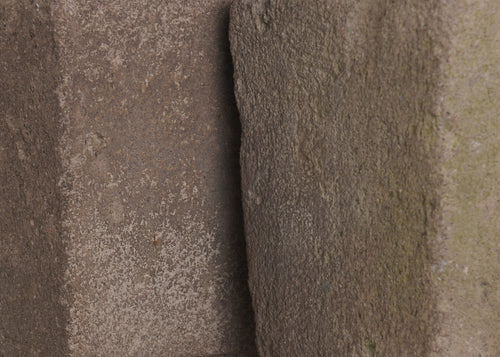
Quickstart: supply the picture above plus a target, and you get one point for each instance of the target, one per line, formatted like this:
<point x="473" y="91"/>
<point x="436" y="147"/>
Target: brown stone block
<point x="121" y="224"/>
<point x="370" y="174"/>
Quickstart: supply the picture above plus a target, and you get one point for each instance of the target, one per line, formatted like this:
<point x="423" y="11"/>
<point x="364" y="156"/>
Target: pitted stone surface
<point x="370" y="175"/>
<point x="156" y="250"/>
<point x="121" y="210"/>
<point x="32" y="258"/>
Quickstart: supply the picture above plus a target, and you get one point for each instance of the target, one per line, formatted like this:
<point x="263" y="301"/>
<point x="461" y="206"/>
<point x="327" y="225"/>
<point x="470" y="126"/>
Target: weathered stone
<point x="370" y="163"/>
<point x="121" y="215"/>
<point x="32" y="259"/>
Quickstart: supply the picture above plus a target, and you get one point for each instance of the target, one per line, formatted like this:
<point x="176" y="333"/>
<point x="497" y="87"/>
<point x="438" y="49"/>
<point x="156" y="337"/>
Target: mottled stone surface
<point x="120" y="211"/>
<point x="156" y="250"/>
<point x="32" y="259"/>
<point x="467" y="249"/>
<point x="370" y="169"/>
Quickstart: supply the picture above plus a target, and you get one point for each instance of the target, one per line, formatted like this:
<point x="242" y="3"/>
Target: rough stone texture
<point x="467" y="265"/>
<point x="370" y="169"/>
<point x="32" y="260"/>
<point x="120" y="211"/>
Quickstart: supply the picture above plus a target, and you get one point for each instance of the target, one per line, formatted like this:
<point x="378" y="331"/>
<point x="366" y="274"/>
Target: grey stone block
<point x="370" y="168"/>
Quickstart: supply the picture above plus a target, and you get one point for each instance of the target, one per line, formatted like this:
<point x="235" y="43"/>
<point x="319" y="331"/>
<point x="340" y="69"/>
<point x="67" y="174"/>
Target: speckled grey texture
<point x="121" y="210"/>
<point x="370" y="168"/>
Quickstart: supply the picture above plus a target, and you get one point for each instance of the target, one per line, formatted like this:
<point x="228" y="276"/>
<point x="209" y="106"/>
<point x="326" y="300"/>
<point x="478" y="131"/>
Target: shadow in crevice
<point x="243" y="314"/>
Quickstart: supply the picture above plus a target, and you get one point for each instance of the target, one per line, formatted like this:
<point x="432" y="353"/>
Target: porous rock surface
<point x="32" y="257"/>
<point x="121" y="225"/>
<point x="370" y="170"/>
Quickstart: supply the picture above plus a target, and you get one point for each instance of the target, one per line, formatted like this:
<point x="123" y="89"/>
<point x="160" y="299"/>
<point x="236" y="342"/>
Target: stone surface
<point x="120" y="201"/>
<point x="370" y="169"/>
<point x="32" y="259"/>
<point x="467" y="258"/>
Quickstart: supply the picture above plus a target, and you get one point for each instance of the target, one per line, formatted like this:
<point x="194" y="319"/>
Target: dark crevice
<point x="226" y="93"/>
